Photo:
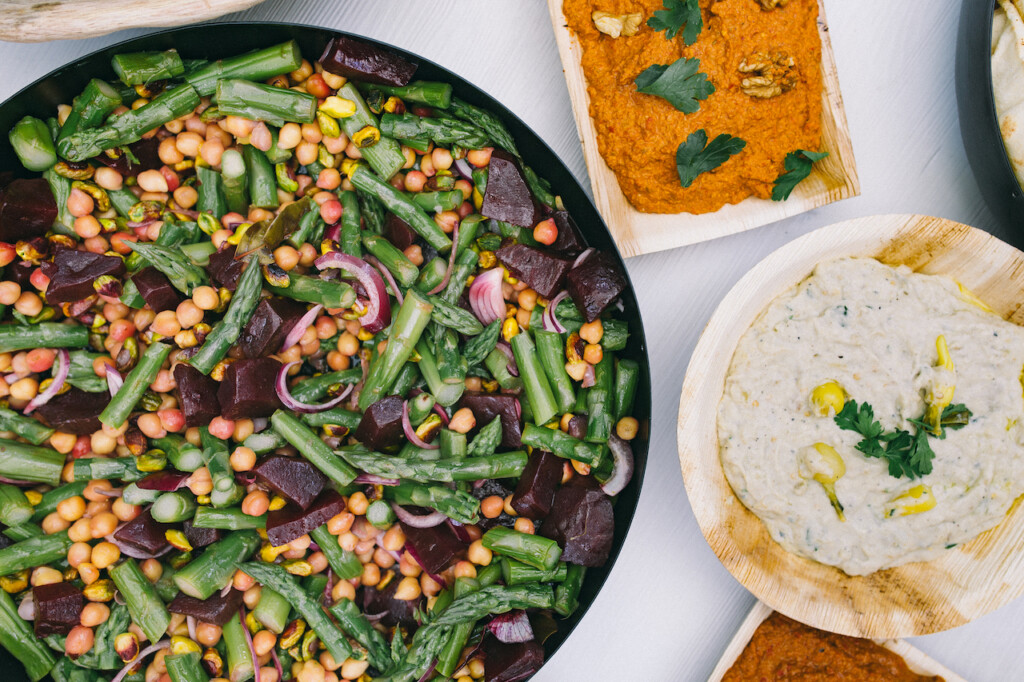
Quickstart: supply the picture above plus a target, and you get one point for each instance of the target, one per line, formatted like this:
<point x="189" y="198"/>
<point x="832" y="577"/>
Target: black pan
<point x="979" y="125"/>
<point x="214" y="41"/>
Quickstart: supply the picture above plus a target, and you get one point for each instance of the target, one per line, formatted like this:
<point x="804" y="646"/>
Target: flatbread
<point x="1008" y="79"/>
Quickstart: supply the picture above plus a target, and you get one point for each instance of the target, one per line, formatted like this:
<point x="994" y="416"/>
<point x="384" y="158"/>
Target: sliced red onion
<point x="622" y="466"/>
<point x="14" y="481"/>
<point x="439" y="411"/>
<point x="277" y="663"/>
<point x="589" y="377"/>
<point x="140" y="223"/>
<point x="164" y="481"/>
<point x="410" y="432"/>
<point x="11" y="377"/>
<point x="27" y="607"/>
<point x="252" y="648"/>
<point x="281" y="385"/>
<point x="551" y="322"/>
<point x="460" y="531"/>
<point x="451" y="263"/>
<point x="301" y="326"/>
<point x="512" y="627"/>
<point x="378" y="314"/>
<point x="226" y="589"/>
<point x="190" y="622"/>
<point x="114" y="381"/>
<point x="333" y="232"/>
<point x="60" y="375"/>
<point x="388" y="277"/>
<point x="582" y="257"/>
<point x="430" y="671"/>
<point x="112" y="492"/>
<point x="153" y="648"/>
<point x="259" y="424"/>
<point x="372" y="479"/>
<point x="464" y="169"/>
<point x="519" y="409"/>
<point x="416" y="521"/>
<point x="511" y="365"/>
<point x="485" y="296"/>
<point x="134" y="552"/>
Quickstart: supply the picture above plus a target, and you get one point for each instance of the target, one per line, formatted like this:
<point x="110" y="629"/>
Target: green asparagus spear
<point x="465" y="265"/>
<point x="312" y="389"/>
<point x="182" y="273"/>
<point x="551" y="351"/>
<point x="600" y="401"/>
<point x="119" y="469"/>
<point x="396" y="202"/>
<point x="135" y="384"/>
<point x="356" y="626"/>
<point x="262" y="182"/>
<point x="627" y="377"/>
<point x="445" y="393"/>
<point x="455" y="504"/>
<point x="23" y="462"/>
<point x="238" y="665"/>
<point x="173" y="507"/>
<point x="17" y="637"/>
<point x="406" y="330"/>
<point x="142" y="68"/>
<point x="230" y="518"/>
<point x="487" y="121"/>
<point x="15" y="509"/>
<point x="435" y="202"/>
<point x="31" y="141"/>
<point x="503" y="465"/>
<point x="225" y="333"/>
<point x="311" y="447"/>
<point x="425" y="92"/>
<point x="562" y="444"/>
<point x="497" y="364"/>
<point x="272" y="610"/>
<point x="90" y="108"/>
<point x="235" y="181"/>
<point x="533" y="550"/>
<point x="517" y="573"/>
<point x="213" y="569"/>
<point x="256" y="66"/>
<point x="392" y="258"/>
<point x="185" y="667"/>
<point x="211" y="193"/>
<point x="385" y="157"/>
<point x="344" y="563"/>
<point x="442" y="131"/>
<point x="182" y="455"/>
<point x="259" y="102"/>
<point x="351" y="228"/>
<point x="148" y="612"/>
<point x="454" y="317"/>
<point x="335" y="416"/>
<point x="25" y="531"/>
<point x="567" y="594"/>
<point x="43" y="335"/>
<point x="24" y="427"/>
<point x="330" y="293"/>
<point x="535" y="381"/>
<point x="60" y="187"/>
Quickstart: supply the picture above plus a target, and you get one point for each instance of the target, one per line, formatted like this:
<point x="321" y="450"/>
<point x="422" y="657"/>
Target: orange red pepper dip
<point x="638" y="134"/>
<point x="783" y="649"/>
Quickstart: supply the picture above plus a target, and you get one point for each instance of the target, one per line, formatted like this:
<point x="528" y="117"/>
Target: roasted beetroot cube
<point x="224" y="269"/>
<point x="75" y="272"/>
<point x="487" y="406"/>
<point x="143" y="533"/>
<point x="398" y="232"/>
<point x="58" y="608"/>
<point x="156" y="289"/>
<point x="247" y="390"/>
<point x="594" y="284"/>
<point x="581" y="522"/>
<point x="216" y="610"/>
<point x="74" y="411"/>
<point x="21" y="272"/>
<point x="27" y="209"/>
<point x="197" y="395"/>
<point x="433" y="548"/>
<point x="570" y="240"/>
<point x="146" y="152"/>
<point x="537" y="485"/>
<point x="200" y="537"/>
<point x="542" y="271"/>
<point x="511" y="662"/>
<point x="508" y="197"/>
<point x="269" y="325"/>
<point x="391" y="611"/>
<point x="381" y="425"/>
<point x="284" y="525"/>
<point x="292" y="478"/>
<point x="364" y="62"/>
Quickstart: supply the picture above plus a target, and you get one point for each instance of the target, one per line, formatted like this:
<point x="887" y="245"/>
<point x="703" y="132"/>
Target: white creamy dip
<point x="872" y="329"/>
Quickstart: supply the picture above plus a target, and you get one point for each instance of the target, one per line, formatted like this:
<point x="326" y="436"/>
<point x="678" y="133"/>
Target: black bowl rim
<point x="596" y="578"/>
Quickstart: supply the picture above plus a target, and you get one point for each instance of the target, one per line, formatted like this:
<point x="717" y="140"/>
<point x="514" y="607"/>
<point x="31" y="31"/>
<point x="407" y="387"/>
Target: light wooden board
<point x="914" y="599"/>
<point x="917" y="660"/>
<point x="32" y="21"/>
<point x="636" y="233"/>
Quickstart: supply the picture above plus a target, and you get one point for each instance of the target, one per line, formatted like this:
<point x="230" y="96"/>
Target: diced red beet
<point x="200" y="537"/>
<point x="511" y="662"/>
<point x="292" y="478"/>
<point x="391" y="611"/>
<point x="570" y="240"/>
<point x="537" y="485"/>
<point x="146" y="151"/>
<point x="197" y="395"/>
<point x="487" y="406"/>
<point x="433" y="548"/>
<point x="58" y="608"/>
<point x="269" y="325"/>
<point x="398" y="232"/>
<point x="167" y="480"/>
<point x="143" y="533"/>
<point x="542" y="271"/>
<point x="20" y="271"/>
<point x="224" y="269"/>
<point x="27" y="209"/>
<point x="594" y="284"/>
<point x="361" y="61"/>
<point x="284" y="525"/>
<point x="74" y="411"/>
<point x="247" y="390"/>
<point x="156" y="290"/>
<point x="216" y="610"/>
<point x="581" y="521"/>
<point x="76" y="271"/>
<point x="381" y="424"/>
<point x="508" y="197"/>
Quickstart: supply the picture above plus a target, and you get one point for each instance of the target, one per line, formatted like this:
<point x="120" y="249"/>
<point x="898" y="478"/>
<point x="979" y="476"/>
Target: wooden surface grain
<point x="669" y="608"/>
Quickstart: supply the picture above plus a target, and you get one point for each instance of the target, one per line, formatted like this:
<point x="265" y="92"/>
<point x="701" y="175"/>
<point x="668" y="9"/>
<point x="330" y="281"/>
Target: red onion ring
<point x="439" y="411"/>
<point x="622" y="467"/>
<point x="301" y="326"/>
<point x="511" y="365"/>
<point x="416" y="521"/>
<point x="589" y="377"/>
<point x="252" y="648"/>
<point x="281" y="386"/>
<point x="388" y="277"/>
<point x="410" y="432"/>
<point x="371" y="479"/>
<point x="190" y="622"/>
<point x="430" y="671"/>
<point x="133" y="552"/>
<point x="13" y="481"/>
<point x="464" y="169"/>
<point x="114" y="381"/>
<point x="378" y="314"/>
<point x="451" y="262"/>
<point x="27" y="607"/>
<point x="60" y="375"/>
<point x="582" y="257"/>
<point x="512" y="627"/>
<point x="551" y="322"/>
<point x="277" y="663"/>
<point x="140" y="223"/>
<point x="485" y="296"/>
<point x="153" y="648"/>
<point x="333" y="232"/>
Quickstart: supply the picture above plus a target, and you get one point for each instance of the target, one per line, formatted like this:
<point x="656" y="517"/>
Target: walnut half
<point x="771" y="74"/>
<point x="768" y="5"/>
<point x="615" y="25"/>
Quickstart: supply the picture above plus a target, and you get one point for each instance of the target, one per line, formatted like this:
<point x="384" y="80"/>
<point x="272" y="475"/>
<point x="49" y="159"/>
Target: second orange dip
<point x="638" y="134"/>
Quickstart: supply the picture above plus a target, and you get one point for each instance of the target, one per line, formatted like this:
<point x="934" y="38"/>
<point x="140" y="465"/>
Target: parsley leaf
<point x="680" y="83"/>
<point x="798" y="166"/>
<point x="953" y="417"/>
<point x="696" y="155"/>
<point x="678" y="14"/>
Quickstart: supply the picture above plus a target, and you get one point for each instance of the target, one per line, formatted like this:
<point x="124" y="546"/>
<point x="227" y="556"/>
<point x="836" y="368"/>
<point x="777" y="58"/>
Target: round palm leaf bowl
<point x="214" y="41"/>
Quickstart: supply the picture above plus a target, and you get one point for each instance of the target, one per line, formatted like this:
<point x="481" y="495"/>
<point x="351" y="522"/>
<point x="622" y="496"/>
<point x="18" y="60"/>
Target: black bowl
<point x="979" y="125"/>
<point x="213" y="41"/>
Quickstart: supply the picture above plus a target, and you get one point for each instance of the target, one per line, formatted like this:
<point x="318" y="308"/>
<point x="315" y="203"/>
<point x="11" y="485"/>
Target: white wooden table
<point x="669" y="608"/>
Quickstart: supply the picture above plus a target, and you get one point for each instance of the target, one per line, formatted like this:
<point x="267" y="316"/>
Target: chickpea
<point x="311" y="671"/>
<point x="169" y="153"/>
<point x="124" y="511"/>
<point x="87" y="227"/>
<point x="188" y="314"/>
<point x="78" y="641"/>
<point x="186" y="196"/>
<point x="44" y="575"/>
<point x="152" y="181"/>
<point x="479" y="157"/>
<point x="491" y="507"/>
<point x="102" y="443"/>
<point x="108" y="178"/>
<point x="149" y="424"/>
<point x="29" y="304"/>
<point x="252" y="596"/>
<point x="340" y="523"/>
<point x="318" y="561"/>
<point x="464" y="569"/>
<point x="88" y="573"/>
<point x="102" y="524"/>
<point x="357" y="503"/>
<point x="462" y="421"/>
<point x="348" y="541"/>
<point x="243" y="459"/>
<point x="524" y="525"/>
<point x="429" y="586"/>
<point x="71" y="508"/>
<point x="343" y="589"/>
<point x="53" y="523"/>
<point x="189" y="143"/>
<point x="152" y="569"/>
<point x="592" y="353"/>
<point x="408" y="589"/>
<point x="207" y="634"/>
<point x="93" y="614"/>
<point x="627" y="428"/>
<point x="394" y="539"/>
<point x="222" y="428"/>
<point x="255" y="503"/>
<point x="242" y="581"/>
<point x="79" y="203"/>
<point x="441" y="158"/>
<point x="9" y="292"/>
<point x="243" y="429"/>
<point x="383" y="559"/>
<point x="80" y="532"/>
<point x="79" y="553"/>
<point x="287" y="257"/>
<point x="24" y="389"/>
<point x="289" y="136"/>
<point x="105" y="554"/>
<point x="205" y="298"/>
<point x="166" y="323"/>
<point x="211" y="151"/>
<point x="352" y="669"/>
<point x="371" y="575"/>
<point x="478" y="554"/>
